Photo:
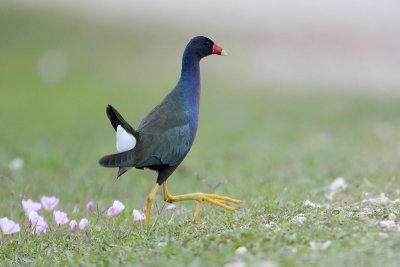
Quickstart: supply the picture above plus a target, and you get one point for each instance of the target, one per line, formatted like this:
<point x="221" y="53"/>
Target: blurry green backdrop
<point x="258" y="138"/>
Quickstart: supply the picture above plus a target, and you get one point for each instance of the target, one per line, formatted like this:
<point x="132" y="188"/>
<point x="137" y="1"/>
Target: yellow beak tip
<point x="223" y="53"/>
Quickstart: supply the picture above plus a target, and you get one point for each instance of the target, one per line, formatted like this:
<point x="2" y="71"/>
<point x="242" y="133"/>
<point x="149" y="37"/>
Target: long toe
<point x="223" y="199"/>
<point x="216" y="202"/>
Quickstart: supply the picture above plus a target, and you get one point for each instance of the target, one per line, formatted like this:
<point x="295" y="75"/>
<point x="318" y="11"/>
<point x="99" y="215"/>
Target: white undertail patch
<point x="125" y="141"/>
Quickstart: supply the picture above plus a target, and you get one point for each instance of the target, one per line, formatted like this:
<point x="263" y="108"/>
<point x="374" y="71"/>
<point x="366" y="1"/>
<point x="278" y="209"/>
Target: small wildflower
<point x="145" y="208"/>
<point x="29" y="206"/>
<point x="76" y="209"/>
<point x="49" y="203"/>
<point x="60" y="217"/>
<point x="73" y="225"/>
<point x="137" y="216"/>
<point x="8" y="226"/>
<point x="172" y="207"/>
<point x="41" y="226"/>
<point x="116" y="209"/>
<point x="82" y="224"/>
<point x="33" y="218"/>
<point x="89" y="207"/>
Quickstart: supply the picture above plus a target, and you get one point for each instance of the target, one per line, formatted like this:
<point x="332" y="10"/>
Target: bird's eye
<point x="208" y="44"/>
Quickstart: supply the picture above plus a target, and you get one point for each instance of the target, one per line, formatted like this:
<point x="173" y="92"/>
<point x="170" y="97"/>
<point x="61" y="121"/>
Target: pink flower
<point x="60" y="217"/>
<point x="172" y="207"/>
<point x="89" y="207"/>
<point x="137" y="216"/>
<point x="38" y="222"/>
<point x="145" y="208"/>
<point x="33" y="218"/>
<point x="82" y="224"/>
<point x="115" y="209"/>
<point x="76" y="208"/>
<point x="29" y="206"/>
<point x="8" y="226"/>
<point x="73" y="225"/>
<point x="49" y="203"/>
<point x="41" y="226"/>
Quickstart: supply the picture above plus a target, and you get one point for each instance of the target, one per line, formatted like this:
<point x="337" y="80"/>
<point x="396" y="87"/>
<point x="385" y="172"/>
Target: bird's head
<point x="203" y="46"/>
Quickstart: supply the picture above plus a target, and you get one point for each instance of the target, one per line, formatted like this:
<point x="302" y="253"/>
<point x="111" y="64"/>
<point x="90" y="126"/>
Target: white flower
<point x="89" y="207"/>
<point x="145" y="208"/>
<point x="73" y="225"/>
<point x="33" y="218"/>
<point x="116" y="209"/>
<point x="137" y="216"/>
<point x="60" y="217"/>
<point x="29" y="206"/>
<point x="49" y="203"/>
<point x="75" y="209"/>
<point x="8" y="226"/>
<point x="82" y="224"/>
<point x="41" y="226"/>
<point x="172" y="207"/>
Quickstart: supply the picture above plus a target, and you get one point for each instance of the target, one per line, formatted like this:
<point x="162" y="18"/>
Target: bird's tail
<point x="116" y="119"/>
<point x="123" y="159"/>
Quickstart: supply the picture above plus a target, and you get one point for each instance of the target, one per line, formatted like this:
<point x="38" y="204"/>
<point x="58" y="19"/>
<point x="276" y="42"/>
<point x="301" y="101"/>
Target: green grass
<point x="271" y="146"/>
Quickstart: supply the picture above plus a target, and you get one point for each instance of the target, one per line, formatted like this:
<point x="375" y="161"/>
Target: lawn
<point x="271" y="145"/>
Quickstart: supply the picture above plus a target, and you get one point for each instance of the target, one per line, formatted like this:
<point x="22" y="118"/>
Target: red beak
<point x="216" y="49"/>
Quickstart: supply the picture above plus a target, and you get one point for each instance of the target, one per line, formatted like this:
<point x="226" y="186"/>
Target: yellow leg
<point x="200" y="197"/>
<point x="197" y="211"/>
<point x="150" y="200"/>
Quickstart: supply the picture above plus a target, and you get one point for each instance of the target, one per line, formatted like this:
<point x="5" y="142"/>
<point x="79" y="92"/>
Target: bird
<point x="164" y="137"/>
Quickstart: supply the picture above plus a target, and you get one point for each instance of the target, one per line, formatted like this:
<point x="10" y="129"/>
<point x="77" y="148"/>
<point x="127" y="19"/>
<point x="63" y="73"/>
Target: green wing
<point x="165" y="136"/>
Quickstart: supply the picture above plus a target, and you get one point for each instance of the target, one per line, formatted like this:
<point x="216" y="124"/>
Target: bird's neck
<point x="189" y="83"/>
<point x="190" y="75"/>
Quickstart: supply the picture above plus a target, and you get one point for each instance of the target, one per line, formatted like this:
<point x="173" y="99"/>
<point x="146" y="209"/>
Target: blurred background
<point x="346" y="43"/>
<point x="309" y="91"/>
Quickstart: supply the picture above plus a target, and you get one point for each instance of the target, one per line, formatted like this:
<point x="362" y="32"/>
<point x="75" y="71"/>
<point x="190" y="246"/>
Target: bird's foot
<point x="200" y="198"/>
<point x="217" y="200"/>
